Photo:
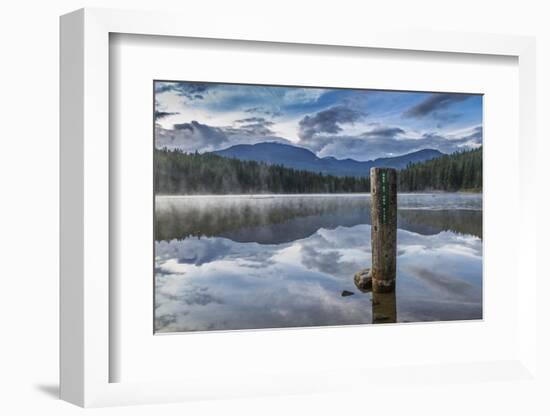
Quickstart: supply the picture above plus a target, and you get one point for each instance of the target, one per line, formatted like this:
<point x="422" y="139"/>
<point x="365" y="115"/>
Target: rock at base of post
<point x="363" y="280"/>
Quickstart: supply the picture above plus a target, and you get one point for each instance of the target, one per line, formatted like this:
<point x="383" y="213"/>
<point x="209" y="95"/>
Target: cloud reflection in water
<point x="215" y="282"/>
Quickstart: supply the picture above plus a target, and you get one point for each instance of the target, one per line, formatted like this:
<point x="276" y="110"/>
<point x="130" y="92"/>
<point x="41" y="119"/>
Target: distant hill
<point x="303" y="159"/>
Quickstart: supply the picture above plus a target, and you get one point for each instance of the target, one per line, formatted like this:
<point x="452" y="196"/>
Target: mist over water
<point x="246" y="262"/>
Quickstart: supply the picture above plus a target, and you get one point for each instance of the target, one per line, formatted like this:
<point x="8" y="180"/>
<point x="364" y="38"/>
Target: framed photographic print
<point x="280" y="214"/>
<point x="263" y="205"/>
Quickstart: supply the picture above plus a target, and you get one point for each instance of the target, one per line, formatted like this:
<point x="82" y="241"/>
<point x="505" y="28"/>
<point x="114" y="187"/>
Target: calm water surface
<point x="243" y="262"/>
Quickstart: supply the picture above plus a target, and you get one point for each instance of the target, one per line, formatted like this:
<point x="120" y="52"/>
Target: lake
<point x="276" y="261"/>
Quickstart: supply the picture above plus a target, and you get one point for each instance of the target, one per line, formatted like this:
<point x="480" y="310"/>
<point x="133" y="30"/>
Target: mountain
<point x="303" y="159"/>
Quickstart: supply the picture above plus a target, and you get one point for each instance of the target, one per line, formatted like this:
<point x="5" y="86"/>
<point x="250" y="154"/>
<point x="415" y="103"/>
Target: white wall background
<point x="29" y="56"/>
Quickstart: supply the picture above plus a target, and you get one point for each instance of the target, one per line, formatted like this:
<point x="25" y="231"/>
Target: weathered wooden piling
<point x="383" y="183"/>
<point x="384" y="308"/>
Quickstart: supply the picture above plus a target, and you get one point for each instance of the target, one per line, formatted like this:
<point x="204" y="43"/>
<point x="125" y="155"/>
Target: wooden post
<point x="383" y="185"/>
<point x="384" y="309"/>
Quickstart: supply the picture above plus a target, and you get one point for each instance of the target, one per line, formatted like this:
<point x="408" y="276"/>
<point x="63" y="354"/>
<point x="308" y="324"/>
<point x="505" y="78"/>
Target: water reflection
<point x="240" y="262"/>
<point x="275" y="220"/>
<point x="384" y="308"/>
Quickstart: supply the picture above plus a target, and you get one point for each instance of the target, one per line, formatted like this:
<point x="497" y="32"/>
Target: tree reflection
<point x="384" y="308"/>
<point x="285" y="219"/>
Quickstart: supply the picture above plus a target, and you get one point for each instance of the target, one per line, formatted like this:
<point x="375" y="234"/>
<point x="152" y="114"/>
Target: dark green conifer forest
<point x="193" y="173"/>
<point x="459" y="171"/>
<point x="182" y="173"/>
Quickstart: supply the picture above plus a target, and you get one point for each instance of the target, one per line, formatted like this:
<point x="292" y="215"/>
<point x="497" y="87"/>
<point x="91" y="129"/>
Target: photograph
<point x="282" y="206"/>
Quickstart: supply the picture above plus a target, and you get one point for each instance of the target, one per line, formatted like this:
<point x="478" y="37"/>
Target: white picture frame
<point x="85" y="210"/>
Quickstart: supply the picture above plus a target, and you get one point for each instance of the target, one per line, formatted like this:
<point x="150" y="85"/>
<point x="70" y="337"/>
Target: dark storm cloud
<point x="205" y="130"/>
<point x="327" y="121"/>
<point x="190" y="137"/>
<point x="195" y="136"/>
<point x="190" y="90"/>
<point x="434" y="104"/>
<point x="163" y="114"/>
<point x="384" y="132"/>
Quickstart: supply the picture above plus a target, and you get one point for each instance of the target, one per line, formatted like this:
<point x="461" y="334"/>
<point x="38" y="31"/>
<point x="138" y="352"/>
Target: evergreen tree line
<point x="454" y="172"/>
<point x="177" y="172"/>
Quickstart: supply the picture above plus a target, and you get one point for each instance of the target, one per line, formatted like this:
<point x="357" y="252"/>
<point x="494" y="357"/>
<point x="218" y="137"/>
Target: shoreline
<point x="334" y="195"/>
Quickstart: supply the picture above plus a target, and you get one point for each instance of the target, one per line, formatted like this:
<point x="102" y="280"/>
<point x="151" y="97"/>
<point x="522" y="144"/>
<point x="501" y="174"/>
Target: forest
<point x="459" y="171"/>
<point x="177" y="172"/>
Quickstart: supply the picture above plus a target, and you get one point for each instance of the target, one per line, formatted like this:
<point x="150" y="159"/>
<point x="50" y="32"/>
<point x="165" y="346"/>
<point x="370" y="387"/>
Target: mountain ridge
<point x="303" y="159"/>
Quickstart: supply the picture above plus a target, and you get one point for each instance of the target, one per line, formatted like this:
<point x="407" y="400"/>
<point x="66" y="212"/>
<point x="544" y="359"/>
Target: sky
<point x="341" y="123"/>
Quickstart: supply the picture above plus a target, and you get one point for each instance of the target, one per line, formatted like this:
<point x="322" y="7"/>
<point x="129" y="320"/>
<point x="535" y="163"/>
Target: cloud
<point x="378" y="142"/>
<point x="327" y="121"/>
<point x="284" y="294"/>
<point x="195" y="136"/>
<point x="185" y="126"/>
<point x="163" y="114"/>
<point x="299" y="283"/>
<point x="190" y="90"/>
<point x="262" y="110"/>
<point x="433" y="104"/>
<point x="476" y="135"/>
<point x="254" y="120"/>
<point x="256" y="129"/>
<point x="162" y="87"/>
<point x="295" y="96"/>
<point x="446" y="285"/>
<point x="470" y="138"/>
<point x="190" y="137"/>
<point x="257" y="126"/>
<point x="327" y="261"/>
<point x="382" y="144"/>
<point x="383" y="132"/>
